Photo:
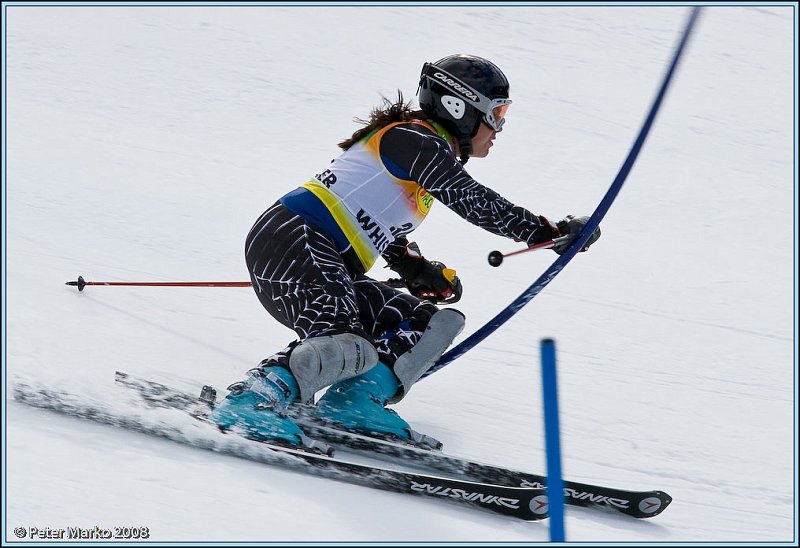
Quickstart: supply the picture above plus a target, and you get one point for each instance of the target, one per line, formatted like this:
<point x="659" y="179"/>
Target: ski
<point x="638" y="504"/>
<point x="525" y="503"/>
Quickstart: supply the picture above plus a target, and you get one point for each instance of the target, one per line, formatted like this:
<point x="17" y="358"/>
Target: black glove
<point x="428" y="280"/>
<point x="546" y="232"/>
<point x="572" y="226"/>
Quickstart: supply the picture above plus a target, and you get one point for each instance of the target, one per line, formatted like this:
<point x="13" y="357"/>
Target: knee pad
<point x="321" y="361"/>
<point x="443" y="327"/>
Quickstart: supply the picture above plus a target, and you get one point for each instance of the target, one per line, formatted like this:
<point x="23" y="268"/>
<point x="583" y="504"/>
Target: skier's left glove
<point x="427" y="280"/>
<point x="572" y="226"/>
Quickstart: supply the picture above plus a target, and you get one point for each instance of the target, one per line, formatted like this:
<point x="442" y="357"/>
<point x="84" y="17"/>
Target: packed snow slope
<point x="144" y="141"/>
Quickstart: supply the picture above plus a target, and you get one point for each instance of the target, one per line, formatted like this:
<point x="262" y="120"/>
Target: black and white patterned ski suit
<point x="308" y="253"/>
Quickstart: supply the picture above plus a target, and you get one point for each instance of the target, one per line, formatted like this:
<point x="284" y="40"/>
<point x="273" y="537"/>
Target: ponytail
<point x="388" y="113"/>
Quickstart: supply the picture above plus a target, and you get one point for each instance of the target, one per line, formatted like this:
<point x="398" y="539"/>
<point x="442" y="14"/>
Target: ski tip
<point x="653" y="505"/>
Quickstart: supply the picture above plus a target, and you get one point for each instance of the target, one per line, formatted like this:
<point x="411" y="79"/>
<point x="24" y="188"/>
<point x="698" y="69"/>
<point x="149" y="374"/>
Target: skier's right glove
<point x="427" y="280"/>
<point x="572" y="226"/>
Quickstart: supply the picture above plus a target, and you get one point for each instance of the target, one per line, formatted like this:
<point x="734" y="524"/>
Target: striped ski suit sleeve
<point x="416" y="154"/>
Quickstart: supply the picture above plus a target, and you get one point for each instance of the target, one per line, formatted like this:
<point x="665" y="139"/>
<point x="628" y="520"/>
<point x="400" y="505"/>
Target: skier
<point x="309" y="253"/>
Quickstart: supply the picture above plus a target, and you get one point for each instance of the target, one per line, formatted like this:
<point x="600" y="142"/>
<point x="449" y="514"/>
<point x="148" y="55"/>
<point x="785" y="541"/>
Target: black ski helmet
<point x="459" y="92"/>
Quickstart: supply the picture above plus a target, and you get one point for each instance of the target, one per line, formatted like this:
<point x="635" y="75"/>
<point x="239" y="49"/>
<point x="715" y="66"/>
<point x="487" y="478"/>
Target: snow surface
<point x="144" y="141"/>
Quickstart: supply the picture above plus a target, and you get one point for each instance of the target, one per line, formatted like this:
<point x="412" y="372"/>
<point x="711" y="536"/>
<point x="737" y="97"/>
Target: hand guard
<point x="427" y="280"/>
<point x="572" y="226"/>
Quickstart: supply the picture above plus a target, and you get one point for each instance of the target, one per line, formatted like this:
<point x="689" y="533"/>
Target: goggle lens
<point x="500" y="111"/>
<point x="496" y="117"/>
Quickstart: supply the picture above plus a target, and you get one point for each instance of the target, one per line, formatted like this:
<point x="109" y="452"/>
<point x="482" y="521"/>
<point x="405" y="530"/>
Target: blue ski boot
<point x="357" y="404"/>
<point x="256" y="407"/>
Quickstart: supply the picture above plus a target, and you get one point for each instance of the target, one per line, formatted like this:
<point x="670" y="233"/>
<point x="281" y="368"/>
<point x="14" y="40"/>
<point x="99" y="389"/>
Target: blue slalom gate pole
<point x="594" y="221"/>
<point x="555" y="483"/>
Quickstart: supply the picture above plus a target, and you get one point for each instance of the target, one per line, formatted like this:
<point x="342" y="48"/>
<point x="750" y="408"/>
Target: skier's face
<point x="483" y="141"/>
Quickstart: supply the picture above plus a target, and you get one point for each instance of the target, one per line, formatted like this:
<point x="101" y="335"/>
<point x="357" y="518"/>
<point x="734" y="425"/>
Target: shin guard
<point x="321" y="361"/>
<point x="443" y="327"/>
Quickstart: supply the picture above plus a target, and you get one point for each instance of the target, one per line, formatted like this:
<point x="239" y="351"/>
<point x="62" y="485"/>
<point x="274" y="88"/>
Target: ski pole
<point x="81" y="283"/>
<point x="496" y="257"/>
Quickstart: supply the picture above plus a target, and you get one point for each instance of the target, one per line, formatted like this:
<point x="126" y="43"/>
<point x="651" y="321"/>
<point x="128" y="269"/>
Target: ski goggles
<point x="495" y="115"/>
<point x="494" y="110"/>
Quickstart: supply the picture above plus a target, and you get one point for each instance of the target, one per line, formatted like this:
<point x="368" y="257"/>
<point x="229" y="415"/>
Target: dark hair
<point x="389" y="112"/>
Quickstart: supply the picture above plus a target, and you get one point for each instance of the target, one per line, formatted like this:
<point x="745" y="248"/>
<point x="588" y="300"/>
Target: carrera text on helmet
<point x="456" y="86"/>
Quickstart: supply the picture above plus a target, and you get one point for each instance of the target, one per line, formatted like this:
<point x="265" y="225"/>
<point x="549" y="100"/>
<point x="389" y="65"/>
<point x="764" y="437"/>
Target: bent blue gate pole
<point x="594" y="221"/>
<point x="555" y="483"/>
